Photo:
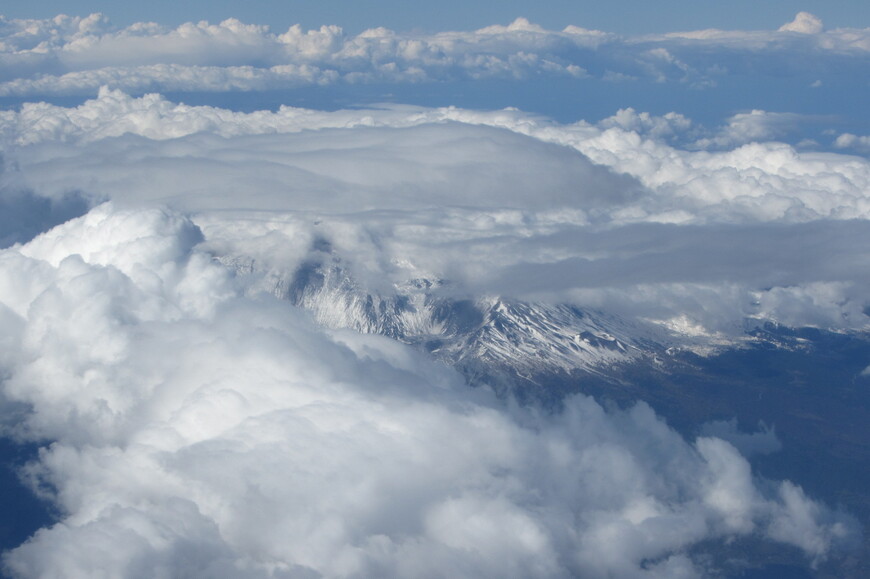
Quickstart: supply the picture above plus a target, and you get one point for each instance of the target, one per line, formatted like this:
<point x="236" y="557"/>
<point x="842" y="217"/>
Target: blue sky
<point x="621" y="16"/>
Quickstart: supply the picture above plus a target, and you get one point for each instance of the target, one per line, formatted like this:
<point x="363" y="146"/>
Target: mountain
<point x="508" y="340"/>
<point x="806" y="387"/>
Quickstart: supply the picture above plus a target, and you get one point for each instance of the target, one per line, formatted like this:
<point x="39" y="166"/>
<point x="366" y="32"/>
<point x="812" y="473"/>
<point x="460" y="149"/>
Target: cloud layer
<point x="503" y="203"/>
<point x="196" y="430"/>
<point x="194" y="423"/>
<point x="76" y="55"/>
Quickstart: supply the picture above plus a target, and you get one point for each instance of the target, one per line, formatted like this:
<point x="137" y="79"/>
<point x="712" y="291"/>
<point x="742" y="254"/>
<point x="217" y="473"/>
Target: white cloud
<point x="68" y="55"/>
<point x="175" y="77"/>
<point x="197" y="424"/>
<point x="805" y="23"/>
<point x="197" y="430"/>
<point x="496" y="202"/>
<point x="752" y="127"/>
<point x="850" y="141"/>
<point x="658" y="128"/>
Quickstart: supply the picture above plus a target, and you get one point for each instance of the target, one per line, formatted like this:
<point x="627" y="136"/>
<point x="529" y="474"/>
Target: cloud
<point x="804" y="23"/>
<point x="658" y="128"/>
<point x="764" y="441"/>
<point x="198" y="428"/>
<point x="193" y="421"/>
<point x="175" y="77"/>
<point x="757" y="181"/>
<point x="75" y="56"/>
<point x="497" y="203"/>
<point x="850" y="141"/>
<point x="753" y="126"/>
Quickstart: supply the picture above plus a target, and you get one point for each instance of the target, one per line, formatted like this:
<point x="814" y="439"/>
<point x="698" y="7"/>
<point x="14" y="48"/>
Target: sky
<point x="804" y="67"/>
<point x="164" y="186"/>
<point x="620" y="16"/>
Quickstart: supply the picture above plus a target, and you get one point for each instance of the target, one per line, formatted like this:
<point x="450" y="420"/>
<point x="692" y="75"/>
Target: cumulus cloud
<point x="193" y="422"/>
<point x="500" y="202"/>
<point x="752" y="127"/>
<point x="75" y="55"/>
<point x="805" y="23"/>
<point x="198" y="428"/>
<point x="656" y="127"/>
<point x="850" y="141"/>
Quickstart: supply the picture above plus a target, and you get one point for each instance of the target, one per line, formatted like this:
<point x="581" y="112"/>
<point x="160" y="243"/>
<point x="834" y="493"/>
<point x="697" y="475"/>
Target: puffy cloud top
<point x="199" y="432"/>
<point x="805" y="23"/>
<point x="194" y="424"/>
<point x="498" y="202"/>
<point x="73" y="55"/>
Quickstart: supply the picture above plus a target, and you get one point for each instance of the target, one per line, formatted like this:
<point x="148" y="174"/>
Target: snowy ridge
<point x="540" y="337"/>
<point x="496" y="340"/>
<point x="504" y="342"/>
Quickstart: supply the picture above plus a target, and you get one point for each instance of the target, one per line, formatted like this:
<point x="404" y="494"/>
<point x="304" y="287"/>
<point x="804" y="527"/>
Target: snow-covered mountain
<point x="533" y="350"/>
<point x="508" y="344"/>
